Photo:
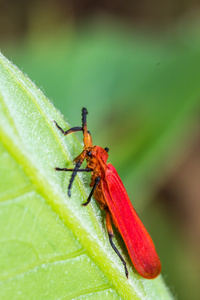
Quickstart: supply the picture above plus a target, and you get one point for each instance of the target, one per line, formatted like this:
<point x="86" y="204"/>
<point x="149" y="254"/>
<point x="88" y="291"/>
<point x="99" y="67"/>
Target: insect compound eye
<point x="106" y="149"/>
<point x="89" y="153"/>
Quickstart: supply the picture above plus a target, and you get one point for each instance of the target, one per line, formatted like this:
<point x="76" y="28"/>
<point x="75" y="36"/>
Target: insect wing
<point x="138" y="242"/>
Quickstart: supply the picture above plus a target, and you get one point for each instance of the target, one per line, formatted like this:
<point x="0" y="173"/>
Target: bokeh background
<point x="135" y="65"/>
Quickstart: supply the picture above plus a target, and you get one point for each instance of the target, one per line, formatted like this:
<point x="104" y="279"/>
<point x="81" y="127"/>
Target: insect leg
<point x="75" y="170"/>
<point x="111" y="235"/>
<point x="97" y="180"/>
<point x="71" y="170"/>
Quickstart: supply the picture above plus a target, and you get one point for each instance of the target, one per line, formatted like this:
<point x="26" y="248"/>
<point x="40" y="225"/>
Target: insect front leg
<point x="71" y="170"/>
<point x="111" y="235"/>
<point x="97" y="180"/>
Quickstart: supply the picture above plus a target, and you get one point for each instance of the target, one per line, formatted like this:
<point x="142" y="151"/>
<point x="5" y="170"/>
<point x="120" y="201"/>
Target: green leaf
<point x="139" y="89"/>
<point x="51" y="246"/>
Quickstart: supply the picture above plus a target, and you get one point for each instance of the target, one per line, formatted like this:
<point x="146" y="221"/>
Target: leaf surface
<point x="51" y="246"/>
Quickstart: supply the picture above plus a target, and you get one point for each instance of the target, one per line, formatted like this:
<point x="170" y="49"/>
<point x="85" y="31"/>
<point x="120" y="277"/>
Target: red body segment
<point x="111" y="195"/>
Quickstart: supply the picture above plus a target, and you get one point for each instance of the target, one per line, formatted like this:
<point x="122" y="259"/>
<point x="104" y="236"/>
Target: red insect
<point x="109" y="192"/>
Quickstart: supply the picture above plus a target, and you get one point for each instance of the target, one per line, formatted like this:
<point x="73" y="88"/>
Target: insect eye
<point x="106" y="149"/>
<point x="89" y="153"/>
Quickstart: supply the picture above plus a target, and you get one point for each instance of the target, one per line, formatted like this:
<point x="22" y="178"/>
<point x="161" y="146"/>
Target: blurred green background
<point x="135" y="65"/>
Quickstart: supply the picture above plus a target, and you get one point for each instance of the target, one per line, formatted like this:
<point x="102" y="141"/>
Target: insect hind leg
<point x="111" y="235"/>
